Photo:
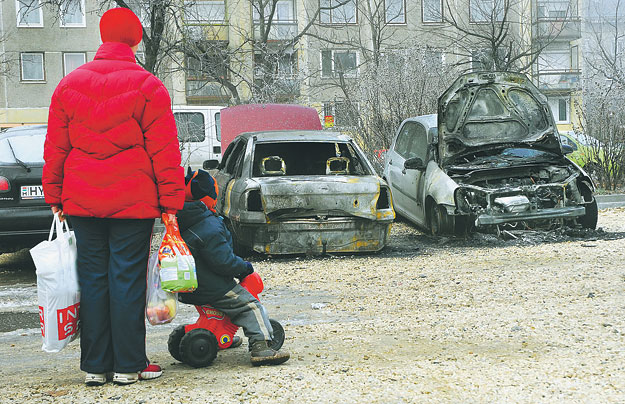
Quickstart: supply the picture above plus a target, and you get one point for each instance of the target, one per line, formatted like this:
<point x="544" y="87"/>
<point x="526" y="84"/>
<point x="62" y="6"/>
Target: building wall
<point x="23" y="102"/>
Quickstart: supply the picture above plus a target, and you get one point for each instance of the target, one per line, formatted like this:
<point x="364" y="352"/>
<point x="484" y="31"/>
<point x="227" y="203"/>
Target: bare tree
<point x="495" y="35"/>
<point x="379" y="76"/>
<point x="602" y="114"/>
<point x="602" y="131"/>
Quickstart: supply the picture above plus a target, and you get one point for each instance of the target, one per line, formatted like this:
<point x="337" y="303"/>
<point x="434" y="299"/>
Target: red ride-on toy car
<point x="197" y="344"/>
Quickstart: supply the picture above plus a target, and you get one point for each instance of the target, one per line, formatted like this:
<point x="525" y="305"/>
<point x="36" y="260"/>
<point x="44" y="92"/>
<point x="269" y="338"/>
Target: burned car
<point x="292" y="192"/>
<point x="490" y="159"/>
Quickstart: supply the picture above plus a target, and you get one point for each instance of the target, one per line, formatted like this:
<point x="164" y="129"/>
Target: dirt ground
<point x="537" y="317"/>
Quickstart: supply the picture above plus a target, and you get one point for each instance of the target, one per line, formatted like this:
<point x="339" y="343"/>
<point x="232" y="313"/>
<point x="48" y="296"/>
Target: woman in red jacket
<point x="112" y="164"/>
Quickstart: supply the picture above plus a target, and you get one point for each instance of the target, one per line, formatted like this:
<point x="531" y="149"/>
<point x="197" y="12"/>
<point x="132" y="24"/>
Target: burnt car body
<point x="490" y="159"/>
<point x="293" y="192"/>
<point x="23" y="210"/>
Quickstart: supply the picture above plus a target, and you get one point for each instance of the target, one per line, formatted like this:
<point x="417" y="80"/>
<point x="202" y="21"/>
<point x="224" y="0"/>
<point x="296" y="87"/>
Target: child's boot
<point x="262" y="354"/>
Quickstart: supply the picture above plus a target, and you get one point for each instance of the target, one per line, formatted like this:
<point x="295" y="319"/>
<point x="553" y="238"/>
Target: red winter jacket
<point x="112" y="148"/>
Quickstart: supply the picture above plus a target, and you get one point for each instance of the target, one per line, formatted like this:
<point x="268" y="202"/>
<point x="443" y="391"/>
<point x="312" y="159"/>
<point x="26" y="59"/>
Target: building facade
<point x="302" y="51"/>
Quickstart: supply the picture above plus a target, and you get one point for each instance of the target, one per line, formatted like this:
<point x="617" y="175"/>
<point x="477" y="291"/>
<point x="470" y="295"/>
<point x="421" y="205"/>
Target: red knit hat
<point x="121" y="25"/>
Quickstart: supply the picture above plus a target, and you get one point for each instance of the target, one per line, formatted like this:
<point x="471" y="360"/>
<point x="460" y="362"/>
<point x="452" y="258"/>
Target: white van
<point x="199" y="133"/>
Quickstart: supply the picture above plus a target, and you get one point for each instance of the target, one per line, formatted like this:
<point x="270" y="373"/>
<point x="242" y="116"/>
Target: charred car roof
<point x="494" y="109"/>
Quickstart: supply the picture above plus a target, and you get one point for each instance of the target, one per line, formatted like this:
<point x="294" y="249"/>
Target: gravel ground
<point x="536" y="318"/>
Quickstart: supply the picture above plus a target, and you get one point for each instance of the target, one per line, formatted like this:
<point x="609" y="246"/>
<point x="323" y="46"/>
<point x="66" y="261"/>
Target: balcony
<point x="280" y="30"/>
<point x="564" y="29"/>
<point x="201" y="91"/>
<point x="559" y="80"/>
<point x="208" y="32"/>
<point x="280" y="87"/>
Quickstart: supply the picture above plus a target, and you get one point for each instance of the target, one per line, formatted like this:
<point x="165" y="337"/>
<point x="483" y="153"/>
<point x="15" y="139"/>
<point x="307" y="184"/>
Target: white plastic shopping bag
<point x="57" y="287"/>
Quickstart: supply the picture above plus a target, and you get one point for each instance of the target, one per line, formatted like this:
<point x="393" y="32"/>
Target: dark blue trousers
<point x="112" y="266"/>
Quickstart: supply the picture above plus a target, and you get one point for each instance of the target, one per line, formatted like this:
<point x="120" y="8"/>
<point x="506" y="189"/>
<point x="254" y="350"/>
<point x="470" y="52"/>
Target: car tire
<point x="198" y="348"/>
<point x="589" y="220"/>
<point x="440" y="223"/>
<point x="238" y="248"/>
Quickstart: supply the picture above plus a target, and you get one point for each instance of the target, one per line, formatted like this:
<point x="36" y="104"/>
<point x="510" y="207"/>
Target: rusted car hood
<point x="320" y="196"/>
<point x="498" y="108"/>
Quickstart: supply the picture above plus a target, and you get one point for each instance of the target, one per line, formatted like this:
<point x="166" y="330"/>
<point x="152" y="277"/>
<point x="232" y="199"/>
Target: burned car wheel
<point x="589" y="220"/>
<point x="440" y="222"/>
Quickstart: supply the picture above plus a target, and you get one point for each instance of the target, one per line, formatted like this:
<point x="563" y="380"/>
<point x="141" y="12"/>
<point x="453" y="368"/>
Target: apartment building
<point x="300" y="51"/>
<point x="38" y="48"/>
<point x="557" y="72"/>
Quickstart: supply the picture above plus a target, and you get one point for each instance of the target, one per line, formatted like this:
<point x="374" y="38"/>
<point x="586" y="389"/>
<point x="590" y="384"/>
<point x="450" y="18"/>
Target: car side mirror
<point x="567" y="149"/>
<point x="210" y="164"/>
<point x="414" y="163"/>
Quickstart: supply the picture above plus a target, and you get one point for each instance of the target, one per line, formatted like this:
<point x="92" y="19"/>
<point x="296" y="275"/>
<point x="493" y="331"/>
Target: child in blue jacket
<point x="217" y="266"/>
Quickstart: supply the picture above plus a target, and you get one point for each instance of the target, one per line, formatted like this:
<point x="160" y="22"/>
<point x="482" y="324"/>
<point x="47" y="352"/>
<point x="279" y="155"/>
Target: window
<point x="218" y="125"/>
<point x="71" y="61"/>
<point x="209" y="65"/>
<point x="432" y="10"/>
<point x="190" y="126"/>
<point x="556" y="9"/>
<point x="338" y="11"/>
<point x="72" y="13"/>
<point x="395" y="11"/>
<point x="554" y="60"/>
<point x="233" y="156"/>
<point x="412" y="141"/>
<point x="339" y="62"/>
<point x="29" y="13"/>
<point x="277" y="65"/>
<point x="574" y="57"/>
<point x="343" y="113"/>
<point x="32" y="66"/>
<point x="284" y="11"/>
<point x="560" y="109"/>
<point x="205" y="12"/>
<point x="486" y="10"/>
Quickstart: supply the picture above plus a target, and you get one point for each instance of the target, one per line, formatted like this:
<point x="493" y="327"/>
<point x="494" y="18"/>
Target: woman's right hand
<point x="55" y="210"/>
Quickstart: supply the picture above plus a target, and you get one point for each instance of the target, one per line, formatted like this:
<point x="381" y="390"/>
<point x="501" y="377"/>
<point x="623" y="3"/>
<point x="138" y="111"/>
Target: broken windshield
<point x="307" y="158"/>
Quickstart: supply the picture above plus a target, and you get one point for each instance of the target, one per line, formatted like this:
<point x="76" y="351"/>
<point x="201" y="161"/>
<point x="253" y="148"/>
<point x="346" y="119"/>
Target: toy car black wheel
<point x="173" y="343"/>
<point x="198" y="348"/>
<point x="278" y="335"/>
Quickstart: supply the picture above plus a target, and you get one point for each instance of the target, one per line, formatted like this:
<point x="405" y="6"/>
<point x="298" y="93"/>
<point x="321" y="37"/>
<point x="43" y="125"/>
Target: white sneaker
<point x="151" y="372"/>
<point x="125" y="378"/>
<point x="95" y="379"/>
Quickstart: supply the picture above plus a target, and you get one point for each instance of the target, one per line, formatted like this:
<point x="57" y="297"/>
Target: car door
<point x="407" y="185"/>
<point x="413" y="181"/>
<point x="227" y="175"/>
<point x="395" y="164"/>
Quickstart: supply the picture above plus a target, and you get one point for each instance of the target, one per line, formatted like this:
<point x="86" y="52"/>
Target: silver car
<point x="292" y="192"/>
<point x="490" y="159"/>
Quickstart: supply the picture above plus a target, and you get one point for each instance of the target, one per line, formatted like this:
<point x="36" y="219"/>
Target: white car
<point x="490" y="158"/>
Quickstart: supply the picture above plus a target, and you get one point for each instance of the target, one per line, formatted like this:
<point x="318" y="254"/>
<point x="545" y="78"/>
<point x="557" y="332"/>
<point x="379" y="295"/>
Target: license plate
<point x="32" y="192"/>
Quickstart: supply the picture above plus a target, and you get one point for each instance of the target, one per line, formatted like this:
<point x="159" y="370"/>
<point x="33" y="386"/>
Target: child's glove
<point x="250" y="270"/>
